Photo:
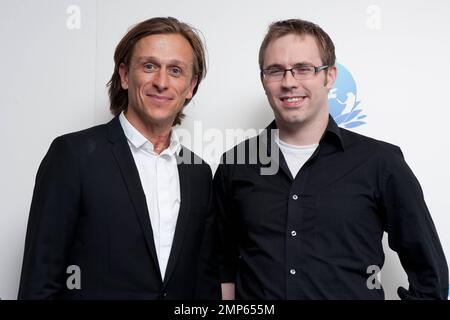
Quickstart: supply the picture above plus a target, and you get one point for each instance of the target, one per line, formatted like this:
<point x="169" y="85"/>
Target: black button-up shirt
<point x="319" y="235"/>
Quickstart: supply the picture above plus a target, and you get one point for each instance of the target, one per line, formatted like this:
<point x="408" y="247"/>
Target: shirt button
<point x="292" y="271"/>
<point x="295" y="197"/>
<point x="293" y="233"/>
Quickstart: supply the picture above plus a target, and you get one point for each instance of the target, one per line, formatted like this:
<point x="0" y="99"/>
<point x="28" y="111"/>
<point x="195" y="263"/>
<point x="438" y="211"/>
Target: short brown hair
<point x="279" y="29"/>
<point x="161" y="25"/>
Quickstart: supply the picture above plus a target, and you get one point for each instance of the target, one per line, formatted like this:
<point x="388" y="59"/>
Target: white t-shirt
<point x="295" y="156"/>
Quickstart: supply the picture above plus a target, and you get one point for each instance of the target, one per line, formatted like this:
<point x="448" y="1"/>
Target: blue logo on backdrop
<point x="343" y="101"/>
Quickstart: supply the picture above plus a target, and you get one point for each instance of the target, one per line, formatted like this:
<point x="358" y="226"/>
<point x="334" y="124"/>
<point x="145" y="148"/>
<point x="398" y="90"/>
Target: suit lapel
<point x="130" y="175"/>
<point x="183" y="216"/>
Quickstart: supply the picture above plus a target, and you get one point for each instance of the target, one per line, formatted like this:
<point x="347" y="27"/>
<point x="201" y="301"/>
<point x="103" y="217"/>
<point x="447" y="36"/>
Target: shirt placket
<point x="295" y="254"/>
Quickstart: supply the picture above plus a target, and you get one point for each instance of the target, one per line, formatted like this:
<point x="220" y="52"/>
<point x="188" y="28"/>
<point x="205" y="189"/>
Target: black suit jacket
<point x="89" y="210"/>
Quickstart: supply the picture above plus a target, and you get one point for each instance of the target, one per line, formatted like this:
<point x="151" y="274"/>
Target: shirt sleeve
<point x="208" y="284"/>
<point x="223" y="207"/>
<point x="411" y="232"/>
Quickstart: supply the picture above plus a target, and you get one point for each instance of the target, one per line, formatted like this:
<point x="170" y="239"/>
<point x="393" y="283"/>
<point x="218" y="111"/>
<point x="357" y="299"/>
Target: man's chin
<point x="290" y="119"/>
<point x="158" y="117"/>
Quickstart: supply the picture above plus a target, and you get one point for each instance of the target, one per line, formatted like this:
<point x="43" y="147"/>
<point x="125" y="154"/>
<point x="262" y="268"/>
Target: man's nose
<point x="288" y="80"/>
<point x="161" y="79"/>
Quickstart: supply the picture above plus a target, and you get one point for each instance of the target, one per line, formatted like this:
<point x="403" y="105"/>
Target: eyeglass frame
<point x="316" y="71"/>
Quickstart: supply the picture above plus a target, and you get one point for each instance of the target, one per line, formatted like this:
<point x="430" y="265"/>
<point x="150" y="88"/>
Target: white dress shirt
<point x="161" y="184"/>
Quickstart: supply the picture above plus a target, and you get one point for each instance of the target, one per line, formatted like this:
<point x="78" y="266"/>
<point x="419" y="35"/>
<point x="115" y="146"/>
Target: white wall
<point x="53" y="82"/>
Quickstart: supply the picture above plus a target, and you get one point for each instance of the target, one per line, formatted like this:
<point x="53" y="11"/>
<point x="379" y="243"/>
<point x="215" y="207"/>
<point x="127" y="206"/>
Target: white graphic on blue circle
<point x="343" y="100"/>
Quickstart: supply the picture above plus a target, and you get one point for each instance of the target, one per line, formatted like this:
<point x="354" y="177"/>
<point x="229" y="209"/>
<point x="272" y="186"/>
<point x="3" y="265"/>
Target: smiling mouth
<point x="159" y="97"/>
<point x="293" y="100"/>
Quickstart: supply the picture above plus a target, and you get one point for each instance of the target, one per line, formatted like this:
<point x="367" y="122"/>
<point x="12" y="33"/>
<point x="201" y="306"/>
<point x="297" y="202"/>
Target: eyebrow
<point x="274" y="65"/>
<point x="298" y="64"/>
<point x="173" y="62"/>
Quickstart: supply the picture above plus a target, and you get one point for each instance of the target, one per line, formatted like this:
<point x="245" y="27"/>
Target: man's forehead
<point x="163" y="47"/>
<point x="289" y="40"/>
<point x="159" y="60"/>
<point x="293" y="49"/>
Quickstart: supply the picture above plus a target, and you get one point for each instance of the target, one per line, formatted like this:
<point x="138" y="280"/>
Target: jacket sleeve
<point x="412" y="234"/>
<point x="208" y="284"/>
<point x="51" y="224"/>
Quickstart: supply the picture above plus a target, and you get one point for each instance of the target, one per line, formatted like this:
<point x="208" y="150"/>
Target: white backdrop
<point x="56" y="58"/>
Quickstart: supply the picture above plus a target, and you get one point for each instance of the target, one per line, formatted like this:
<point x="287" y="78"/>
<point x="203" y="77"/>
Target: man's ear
<point x="123" y="72"/>
<point x="262" y="82"/>
<point x="331" y="77"/>
<point x="192" y="85"/>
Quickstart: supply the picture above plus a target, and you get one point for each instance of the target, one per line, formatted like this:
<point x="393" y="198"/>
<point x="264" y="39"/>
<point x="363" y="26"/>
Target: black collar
<point x="332" y="130"/>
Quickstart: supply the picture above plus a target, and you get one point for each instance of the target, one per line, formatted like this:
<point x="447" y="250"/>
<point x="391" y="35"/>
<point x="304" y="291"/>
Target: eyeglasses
<point x="303" y="72"/>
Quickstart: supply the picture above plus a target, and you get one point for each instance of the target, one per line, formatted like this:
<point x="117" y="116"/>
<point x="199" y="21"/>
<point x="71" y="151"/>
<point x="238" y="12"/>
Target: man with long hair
<point x="117" y="203"/>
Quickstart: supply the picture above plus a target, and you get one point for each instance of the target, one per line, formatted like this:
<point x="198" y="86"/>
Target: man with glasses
<point x="313" y="230"/>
